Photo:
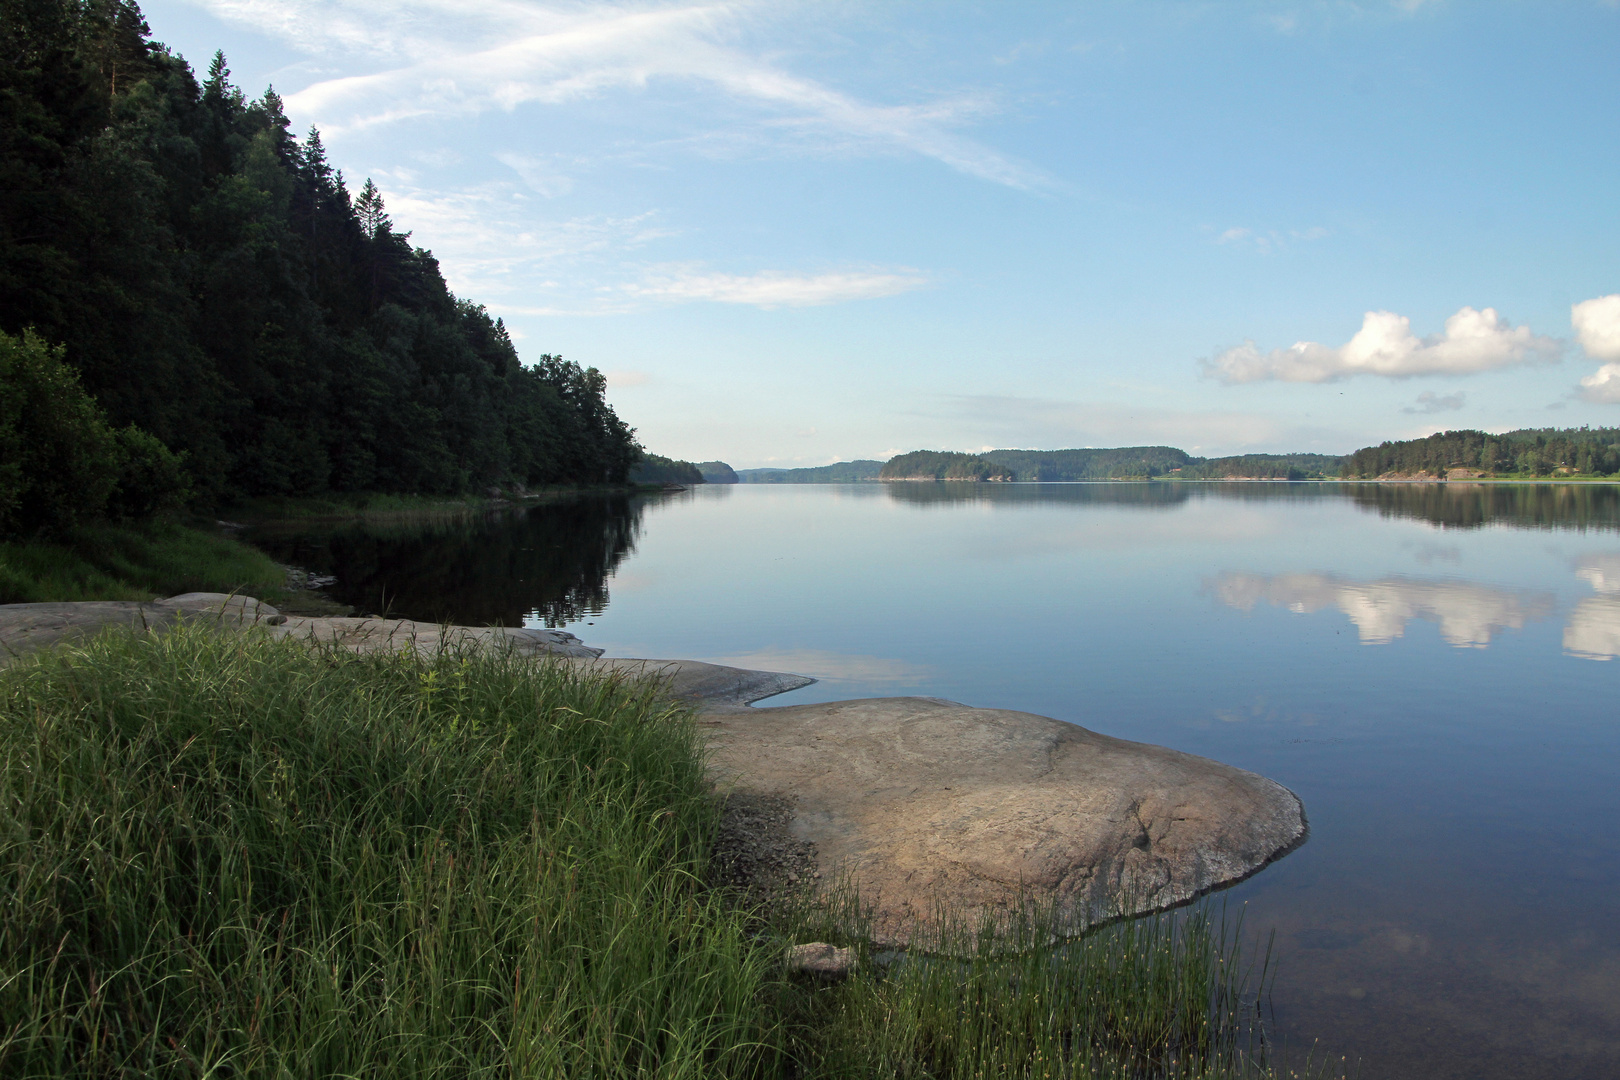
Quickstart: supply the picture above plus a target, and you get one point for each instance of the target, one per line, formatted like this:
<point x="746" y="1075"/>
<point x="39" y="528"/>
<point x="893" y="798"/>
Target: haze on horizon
<point x="797" y="233"/>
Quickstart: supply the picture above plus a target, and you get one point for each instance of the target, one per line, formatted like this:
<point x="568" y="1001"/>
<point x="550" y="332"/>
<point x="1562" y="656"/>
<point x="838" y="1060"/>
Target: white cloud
<point x="1597" y="328"/>
<point x="621" y="380"/>
<point x="1430" y="402"/>
<point x="541" y="175"/>
<point x="772" y="288"/>
<point x="1468" y="615"/>
<point x="1473" y="341"/>
<point x="491" y="245"/>
<point x="439" y="58"/>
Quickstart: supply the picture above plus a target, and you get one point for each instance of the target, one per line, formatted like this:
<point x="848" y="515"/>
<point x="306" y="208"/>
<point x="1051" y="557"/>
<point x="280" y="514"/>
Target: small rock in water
<point x="822" y="960"/>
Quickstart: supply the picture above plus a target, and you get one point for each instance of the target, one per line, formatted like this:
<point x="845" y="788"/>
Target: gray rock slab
<point x="698" y="683"/>
<point x="918" y="802"/>
<point x="26" y="627"/>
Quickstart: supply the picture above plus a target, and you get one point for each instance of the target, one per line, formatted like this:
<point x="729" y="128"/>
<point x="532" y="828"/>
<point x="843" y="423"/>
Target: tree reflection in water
<point x="547" y="563"/>
<point x="1578" y="506"/>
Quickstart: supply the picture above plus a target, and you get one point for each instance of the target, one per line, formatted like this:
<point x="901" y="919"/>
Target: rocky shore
<point x="917" y="803"/>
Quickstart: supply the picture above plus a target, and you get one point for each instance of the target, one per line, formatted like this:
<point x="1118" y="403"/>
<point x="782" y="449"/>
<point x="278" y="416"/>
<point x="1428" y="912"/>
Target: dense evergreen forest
<point x="1093" y="464"/>
<point x="716" y="472"/>
<point x="212" y="281"/>
<point x="1528" y="452"/>
<point x="1264" y="467"/>
<point x="656" y="469"/>
<point x="942" y="465"/>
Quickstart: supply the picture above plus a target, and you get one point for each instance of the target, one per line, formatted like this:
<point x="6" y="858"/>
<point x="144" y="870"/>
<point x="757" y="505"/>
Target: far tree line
<point x="1532" y="452"/>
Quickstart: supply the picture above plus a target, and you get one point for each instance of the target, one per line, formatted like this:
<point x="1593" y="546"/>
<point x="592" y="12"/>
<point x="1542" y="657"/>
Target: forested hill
<point x="843" y="472"/>
<point x="1090" y="464"/>
<point x="1527" y="452"/>
<point x="215" y="282"/>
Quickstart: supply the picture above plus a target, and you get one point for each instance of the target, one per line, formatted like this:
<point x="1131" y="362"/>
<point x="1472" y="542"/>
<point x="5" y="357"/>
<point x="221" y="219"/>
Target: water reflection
<point x="1593" y="631"/>
<point x="947" y="493"/>
<point x="1469" y="506"/>
<point x="546" y="564"/>
<point x="1577" y="507"/>
<point x="1468" y="614"/>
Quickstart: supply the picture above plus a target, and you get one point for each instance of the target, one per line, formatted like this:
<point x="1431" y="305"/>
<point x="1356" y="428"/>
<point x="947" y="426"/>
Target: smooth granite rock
<point x="703" y="684"/>
<point x="918" y="802"/>
<point x="26" y="627"/>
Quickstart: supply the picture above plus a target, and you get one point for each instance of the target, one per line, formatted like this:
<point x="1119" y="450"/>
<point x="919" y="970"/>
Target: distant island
<point x="844" y="472"/>
<point x="1524" y="454"/>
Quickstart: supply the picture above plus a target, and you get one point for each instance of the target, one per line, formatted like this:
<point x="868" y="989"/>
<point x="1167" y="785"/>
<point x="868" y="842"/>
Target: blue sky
<point x="795" y="233"/>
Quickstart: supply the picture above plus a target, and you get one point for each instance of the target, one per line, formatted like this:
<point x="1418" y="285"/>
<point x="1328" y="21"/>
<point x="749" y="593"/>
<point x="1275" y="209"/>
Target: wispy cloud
<point x="1269" y="241"/>
<point x="1430" y="402"/>
<point x="771" y="288"/>
<point x="437" y="58"/>
<point x="542" y="175"/>
<point x="1473" y="341"/>
<point x="493" y="245"/>
<point x="1597" y="328"/>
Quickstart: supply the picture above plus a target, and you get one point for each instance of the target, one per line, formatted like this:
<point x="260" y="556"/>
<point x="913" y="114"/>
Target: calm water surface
<point x="1431" y="668"/>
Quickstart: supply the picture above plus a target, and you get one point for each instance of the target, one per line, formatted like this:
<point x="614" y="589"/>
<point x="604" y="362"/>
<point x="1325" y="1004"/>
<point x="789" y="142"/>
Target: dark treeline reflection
<point x="1528" y="506"/>
<point x="955" y="493"/>
<point x="549" y="561"/>
<point x="1458" y="505"/>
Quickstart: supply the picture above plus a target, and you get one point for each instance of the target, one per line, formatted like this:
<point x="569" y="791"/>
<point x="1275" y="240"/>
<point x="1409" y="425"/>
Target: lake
<point x="1432" y="668"/>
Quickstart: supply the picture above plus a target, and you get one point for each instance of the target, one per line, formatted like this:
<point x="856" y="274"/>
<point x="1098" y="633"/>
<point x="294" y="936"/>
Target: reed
<point x="226" y="856"/>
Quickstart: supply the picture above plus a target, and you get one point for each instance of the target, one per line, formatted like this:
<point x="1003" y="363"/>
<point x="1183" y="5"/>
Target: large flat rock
<point x="916" y="801"/>
<point x="919" y="802"/>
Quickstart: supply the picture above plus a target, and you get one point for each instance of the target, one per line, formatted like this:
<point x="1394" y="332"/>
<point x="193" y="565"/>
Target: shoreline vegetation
<point x="1526" y="455"/>
<point x="297" y="860"/>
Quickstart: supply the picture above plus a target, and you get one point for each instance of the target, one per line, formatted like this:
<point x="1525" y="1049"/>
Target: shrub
<point x="61" y="461"/>
<point x="60" y="464"/>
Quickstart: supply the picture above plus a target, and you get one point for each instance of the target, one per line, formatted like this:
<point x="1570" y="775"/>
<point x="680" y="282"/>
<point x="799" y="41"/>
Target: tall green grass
<point x="1164" y="996"/>
<point x="224" y="856"/>
<point x="134" y="562"/>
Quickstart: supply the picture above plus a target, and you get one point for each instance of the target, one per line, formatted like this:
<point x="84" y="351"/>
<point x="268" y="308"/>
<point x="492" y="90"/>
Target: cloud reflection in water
<point x="1593" y="630"/>
<point x="1468" y="614"/>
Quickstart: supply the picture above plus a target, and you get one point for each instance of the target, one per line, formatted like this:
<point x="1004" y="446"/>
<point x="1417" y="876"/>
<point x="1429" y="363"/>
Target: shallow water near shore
<point x="1432" y="668"/>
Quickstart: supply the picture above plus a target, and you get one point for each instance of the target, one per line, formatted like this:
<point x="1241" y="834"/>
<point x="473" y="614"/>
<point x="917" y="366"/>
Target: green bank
<point x="226" y="856"/>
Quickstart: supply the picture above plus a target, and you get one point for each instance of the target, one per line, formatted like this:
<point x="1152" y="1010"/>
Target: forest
<point x="210" y="281"/>
<point x="842" y="472"/>
<point x="942" y="465"/>
<point x="1585" y="451"/>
